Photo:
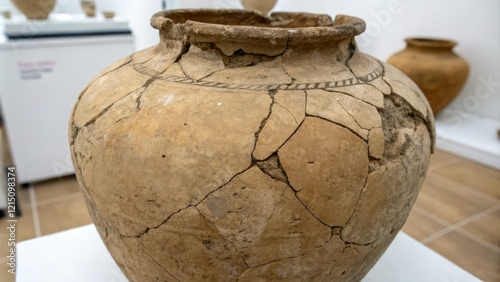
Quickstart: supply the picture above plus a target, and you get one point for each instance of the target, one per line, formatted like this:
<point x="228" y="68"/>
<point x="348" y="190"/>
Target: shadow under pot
<point x="434" y="67"/>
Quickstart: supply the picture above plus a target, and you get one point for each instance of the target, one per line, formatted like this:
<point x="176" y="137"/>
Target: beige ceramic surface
<point x="35" y="9"/>
<point x="236" y="151"/>
<point x="435" y="68"/>
<point x="263" y="6"/>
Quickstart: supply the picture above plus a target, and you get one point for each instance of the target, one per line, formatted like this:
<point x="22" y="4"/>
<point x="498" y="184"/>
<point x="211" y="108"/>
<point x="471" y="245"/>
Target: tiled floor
<point x="457" y="214"/>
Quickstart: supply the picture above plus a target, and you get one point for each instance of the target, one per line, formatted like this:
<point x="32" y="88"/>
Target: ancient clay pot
<point x="108" y="14"/>
<point x="434" y="67"/>
<point x="250" y="148"/>
<point x="88" y="8"/>
<point x="263" y="6"/>
<point x="35" y="9"/>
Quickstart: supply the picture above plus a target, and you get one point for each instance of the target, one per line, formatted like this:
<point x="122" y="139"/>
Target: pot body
<point x="435" y="68"/>
<point x="248" y="153"/>
<point x="35" y="10"/>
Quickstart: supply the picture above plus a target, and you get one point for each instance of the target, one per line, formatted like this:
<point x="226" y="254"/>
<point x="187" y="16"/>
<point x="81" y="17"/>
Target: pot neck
<point x="430" y="44"/>
<point x="232" y="30"/>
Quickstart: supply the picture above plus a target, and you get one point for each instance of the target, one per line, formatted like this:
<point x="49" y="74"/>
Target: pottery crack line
<point x="331" y="270"/>
<point x="349" y="66"/>
<point x="382" y="77"/>
<point x="293" y="257"/>
<point x="264" y="121"/>
<point x="186" y="45"/>
<point x="158" y="264"/>
<point x="189" y="206"/>
<point x="146" y="85"/>
<point x="93" y="120"/>
<point x="276" y="204"/>
<point x="138" y="108"/>
<point x="357" y="98"/>
<point x="127" y="61"/>
<point x="182" y="70"/>
<point x="223" y="237"/>
<point x="355" y="209"/>
<point x="300" y="201"/>
<point x="339" y="124"/>
<point x="352" y="117"/>
<point x="293" y="116"/>
<point x="291" y="77"/>
<point x="293" y="133"/>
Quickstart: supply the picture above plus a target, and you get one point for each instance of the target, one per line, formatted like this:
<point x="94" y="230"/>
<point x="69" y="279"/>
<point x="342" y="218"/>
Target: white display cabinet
<point x="40" y="80"/>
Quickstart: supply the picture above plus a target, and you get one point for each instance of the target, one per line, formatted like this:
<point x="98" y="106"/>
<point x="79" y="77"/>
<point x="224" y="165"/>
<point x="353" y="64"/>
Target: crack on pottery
<point x="183" y="71"/>
<point x="137" y="109"/>
<point x="383" y="77"/>
<point x="263" y="123"/>
<point x="185" y="48"/>
<point x="300" y="201"/>
<point x="357" y="204"/>
<point x="357" y="98"/>
<point x="351" y="49"/>
<point x="223" y="237"/>
<point x="157" y="263"/>
<point x="146" y="231"/>
<point x="127" y="61"/>
<point x="289" y="258"/>
<point x="331" y="270"/>
<point x="276" y="205"/>
<point x="73" y="112"/>
<point x="267" y="144"/>
<point x="138" y="100"/>
<point x="339" y="124"/>
<point x="93" y="120"/>
<point x="286" y="109"/>
<point x="352" y="117"/>
<point x="383" y="73"/>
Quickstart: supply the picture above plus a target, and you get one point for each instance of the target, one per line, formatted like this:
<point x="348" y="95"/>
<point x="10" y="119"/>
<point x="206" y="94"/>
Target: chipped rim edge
<point x="343" y="27"/>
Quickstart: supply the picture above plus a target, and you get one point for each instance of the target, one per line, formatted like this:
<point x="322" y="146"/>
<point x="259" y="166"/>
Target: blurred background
<point x="457" y="213"/>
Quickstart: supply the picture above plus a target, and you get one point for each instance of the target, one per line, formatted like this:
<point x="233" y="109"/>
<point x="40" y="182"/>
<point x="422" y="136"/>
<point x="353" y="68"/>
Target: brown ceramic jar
<point x="250" y="148"/>
<point x="35" y="9"/>
<point x="88" y="7"/>
<point x="435" y="68"/>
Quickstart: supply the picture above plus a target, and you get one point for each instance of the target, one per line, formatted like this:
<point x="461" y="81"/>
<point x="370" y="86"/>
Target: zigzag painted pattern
<point x="264" y="87"/>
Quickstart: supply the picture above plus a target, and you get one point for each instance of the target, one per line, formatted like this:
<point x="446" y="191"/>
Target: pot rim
<point x="281" y="25"/>
<point x="431" y="42"/>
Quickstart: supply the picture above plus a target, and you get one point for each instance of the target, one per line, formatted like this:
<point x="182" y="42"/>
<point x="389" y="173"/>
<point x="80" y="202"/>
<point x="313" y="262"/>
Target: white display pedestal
<point x="78" y="255"/>
<point x="469" y="136"/>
